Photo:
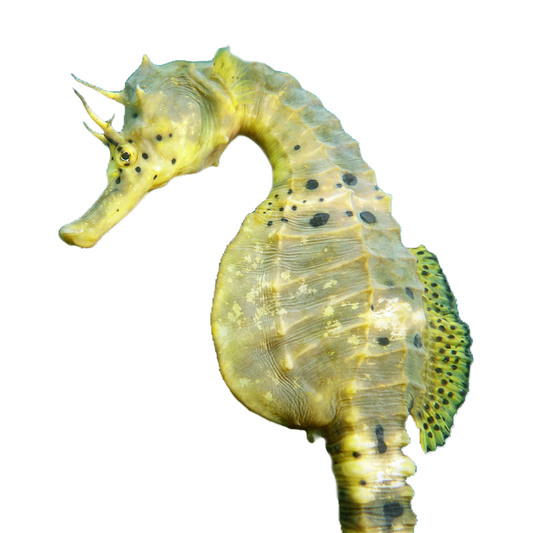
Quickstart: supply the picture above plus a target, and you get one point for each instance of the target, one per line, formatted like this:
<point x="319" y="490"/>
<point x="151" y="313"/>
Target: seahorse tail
<point x="371" y="470"/>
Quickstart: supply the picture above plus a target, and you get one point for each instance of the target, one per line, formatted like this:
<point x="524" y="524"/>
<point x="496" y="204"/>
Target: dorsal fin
<point x="447" y="340"/>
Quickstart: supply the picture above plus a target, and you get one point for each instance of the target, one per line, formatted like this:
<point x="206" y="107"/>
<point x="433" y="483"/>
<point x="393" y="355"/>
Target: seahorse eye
<point x="126" y="155"/>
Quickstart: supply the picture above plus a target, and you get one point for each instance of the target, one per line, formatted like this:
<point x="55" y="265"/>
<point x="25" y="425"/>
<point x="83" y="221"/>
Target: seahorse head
<point x="178" y="120"/>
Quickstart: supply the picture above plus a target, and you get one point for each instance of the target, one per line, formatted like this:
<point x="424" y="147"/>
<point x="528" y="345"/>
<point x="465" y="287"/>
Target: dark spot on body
<point x="311" y="185"/>
<point x="174" y="161"/>
<point x="368" y="217"/>
<point x="338" y="185"/>
<point x="409" y="293"/>
<point x="269" y="223"/>
<point x="170" y="134"/>
<point x="159" y="138"/>
<point x="383" y="341"/>
<point x="294" y="208"/>
<point x="284" y="219"/>
<point x="145" y="156"/>
<point x="289" y="191"/>
<point x="349" y="213"/>
<point x="297" y="147"/>
<point x="392" y="510"/>
<point x="349" y="179"/>
<point x="135" y="115"/>
<point x="382" y="447"/>
<point x="138" y="169"/>
<point x="319" y="219"/>
<point x="155" y="176"/>
<point x="362" y="482"/>
<point x="356" y="454"/>
<point x="281" y="208"/>
<point x="117" y="181"/>
<point x="417" y="341"/>
<point x="321" y="199"/>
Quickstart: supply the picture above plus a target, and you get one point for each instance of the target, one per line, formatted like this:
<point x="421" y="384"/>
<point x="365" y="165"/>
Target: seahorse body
<point x="322" y="319"/>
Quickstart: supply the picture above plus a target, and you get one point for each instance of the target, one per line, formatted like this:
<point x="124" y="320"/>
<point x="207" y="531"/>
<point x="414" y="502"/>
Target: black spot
<point x="281" y="208"/>
<point x="289" y="191"/>
<point x="145" y="156"/>
<point x="155" y="176"/>
<point x="170" y="134"/>
<point x="383" y="341"/>
<point x="135" y="115"/>
<point x="349" y="213"/>
<point x="321" y="199"/>
<point x="138" y="169"/>
<point x="362" y="482"/>
<point x="440" y="390"/>
<point x="409" y="293"/>
<point x="294" y="208"/>
<point x="269" y="223"/>
<point x="284" y="220"/>
<point x="420" y="253"/>
<point x="297" y="147"/>
<point x="117" y="181"/>
<point x="319" y="220"/>
<point x="356" y="454"/>
<point x="438" y="370"/>
<point x="382" y="447"/>
<point x="311" y="184"/>
<point x="349" y="179"/>
<point x="368" y="217"/>
<point x="417" y="341"/>
<point x="392" y="510"/>
<point x="159" y="138"/>
<point x="174" y="161"/>
<point x="338" y="185"/>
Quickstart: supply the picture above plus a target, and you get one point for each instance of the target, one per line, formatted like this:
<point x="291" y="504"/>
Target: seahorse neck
<point x="302" y="140"/>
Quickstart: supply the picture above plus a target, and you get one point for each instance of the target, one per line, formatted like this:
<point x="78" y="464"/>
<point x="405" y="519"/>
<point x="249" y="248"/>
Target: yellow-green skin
<point x="322" y="319"/>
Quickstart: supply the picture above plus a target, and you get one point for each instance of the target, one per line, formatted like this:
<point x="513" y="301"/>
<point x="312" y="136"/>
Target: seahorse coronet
<point x="322" y="320"/>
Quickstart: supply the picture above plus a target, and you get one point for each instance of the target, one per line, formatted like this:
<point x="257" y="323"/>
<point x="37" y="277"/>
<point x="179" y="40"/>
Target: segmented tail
<point x="371" y="470"/>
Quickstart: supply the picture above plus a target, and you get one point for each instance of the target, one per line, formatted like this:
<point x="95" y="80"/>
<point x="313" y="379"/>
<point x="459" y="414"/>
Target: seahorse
<point x="322" y="320"/>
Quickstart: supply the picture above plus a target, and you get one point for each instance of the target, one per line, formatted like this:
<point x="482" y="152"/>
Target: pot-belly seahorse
<point x="322" y="319"/>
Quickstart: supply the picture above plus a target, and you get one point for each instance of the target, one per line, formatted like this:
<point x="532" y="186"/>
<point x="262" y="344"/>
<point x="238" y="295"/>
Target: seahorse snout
<point x="78" y="234"/>
<point x="110" y="208"/>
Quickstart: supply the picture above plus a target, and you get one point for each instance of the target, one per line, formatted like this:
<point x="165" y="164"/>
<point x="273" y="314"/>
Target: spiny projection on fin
<point x="447" y="341"/>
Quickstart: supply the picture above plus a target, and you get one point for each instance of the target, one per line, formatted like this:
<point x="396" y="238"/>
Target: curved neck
<point x="302" y="140"/>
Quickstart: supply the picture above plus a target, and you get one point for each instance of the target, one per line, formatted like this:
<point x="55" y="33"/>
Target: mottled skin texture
<point x="322" y="319"/>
